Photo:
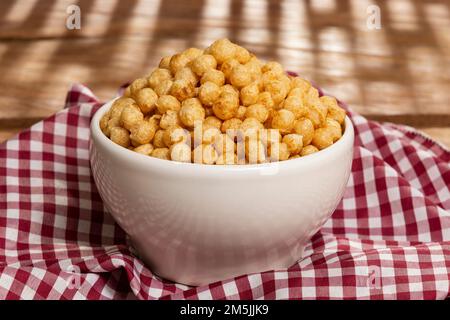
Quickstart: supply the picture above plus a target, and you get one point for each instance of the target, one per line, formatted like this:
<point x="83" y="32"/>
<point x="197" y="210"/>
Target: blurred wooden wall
<point x="400" y="73"/>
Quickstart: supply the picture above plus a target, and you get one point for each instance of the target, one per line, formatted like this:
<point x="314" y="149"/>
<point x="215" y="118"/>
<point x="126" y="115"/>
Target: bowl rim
<point x="97" y="136"/>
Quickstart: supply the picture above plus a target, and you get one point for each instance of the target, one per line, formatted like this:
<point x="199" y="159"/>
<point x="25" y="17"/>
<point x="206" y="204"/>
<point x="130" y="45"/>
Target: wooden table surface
<point x="399" y="73"/>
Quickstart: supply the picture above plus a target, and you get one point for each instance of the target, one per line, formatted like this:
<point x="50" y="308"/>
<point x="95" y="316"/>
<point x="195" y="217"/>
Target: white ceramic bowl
<point x="196" y="224"/>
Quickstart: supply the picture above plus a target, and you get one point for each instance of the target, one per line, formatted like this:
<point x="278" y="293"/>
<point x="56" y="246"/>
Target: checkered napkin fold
<point x="388" y="239"/>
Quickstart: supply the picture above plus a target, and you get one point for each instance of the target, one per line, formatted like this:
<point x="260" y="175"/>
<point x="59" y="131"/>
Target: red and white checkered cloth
<point x="388" y="239"/>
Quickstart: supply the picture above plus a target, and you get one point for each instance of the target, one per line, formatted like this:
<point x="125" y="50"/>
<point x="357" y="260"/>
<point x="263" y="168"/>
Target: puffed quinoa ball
<point x="154" y="121"/>
<point x="279" y="152"/>
<point x="294" y="142"/>
<point x="145" y="149"/>
<point x="256" y="62"/>
<point x="104" y="123"/>
<point x="240" y="113"/>
<point x="260" y="84"/>
<point x="119" y="105"/>
<point x="297" y="93"/>
<point x="242" y="55"/>
<point x="210" y="134"/>
<point x="177" y="62"/>
<point x="113" y="122"/>
<point x="308" y="150"/>
<point x="302" y="84"/>
<point x="334" y="111"/>
<point x="265" y="98"/>
<point x="120" y="136"/>
<point x="193" y="53"/>
<point x="146" y="99"/>
<point x="323" y="110"/>
<point x="161" y="153"/>
<point x="323" y="138"/>
<point x="315" y="115"/>
<point x="222" y="106"/>
<point x="137" y="85"/>
<point x="240" y="77"/>
<point x="157" y="76"/>
<point x="203" y="64"/>
<point x="187" y="74"/>
<point x="169" y="119"/>
<point x="205" y="153"/>
<point x="127" y="92"/>
<point x="228" y="88"/>
<point x="223" y="50"/>
<point x="131" y="116"/>
<point x="305" y="128"/>
<point x="182" y="89"/>
<point x="134" y="144"/>
<point x="274" y="67"/>
<point x="167" y="102"/>
<point x="268" y="77"/>
<point x="213" y="75"/>
<point x="270" y="136"/>
<point x="142" y="133"/>
<point x="226" y="105"/>
<point x="286" y="80"/>
<point x="284" y="152"/>
<point x="277" y="89"/>
<point x="224" y="144"/>
<point x="180" y="152"/>
<point x="251" y="124"/>
<point x="208" y="93"/>
<point x="249" y="94"/>
<point x="212" y="121"/>
<point x="191" y="111"/>
<point x="158" y="139"/>
<point x="175" y="134"/>
<point x="283" y="120"/>
<point x="231" y="124"/>
<point x="227" y="67"/>
<point x="296" y="106"/>
<point x="163" y="88"/>
<point x="164" y="63"/>
<point x="312" y="93"/>
<point x="254" y="66"/>
<point x="257" y="111"/>
<point x="255" y="151"/>
<point x="335" y="128"/>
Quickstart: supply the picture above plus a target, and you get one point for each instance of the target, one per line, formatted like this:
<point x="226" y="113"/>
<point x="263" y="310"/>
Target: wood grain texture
<point x="400" y="73"/>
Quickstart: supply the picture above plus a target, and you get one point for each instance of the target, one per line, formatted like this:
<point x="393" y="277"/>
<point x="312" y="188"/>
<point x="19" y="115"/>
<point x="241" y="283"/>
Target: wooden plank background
<point x="400" y="73"/>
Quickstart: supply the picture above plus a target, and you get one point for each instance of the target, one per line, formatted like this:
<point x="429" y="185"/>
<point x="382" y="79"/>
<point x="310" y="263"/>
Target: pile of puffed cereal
<point x="222" y="105"/>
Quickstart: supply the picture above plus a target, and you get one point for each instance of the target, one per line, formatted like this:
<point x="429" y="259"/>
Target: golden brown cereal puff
<point x="283" y="120"/>
<point x="191" y="111"/>
<point x="222" y="105"/>
<point x="308" y="150"/>
<point x="305" y="128"/>
<point x="225" y="107"/>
